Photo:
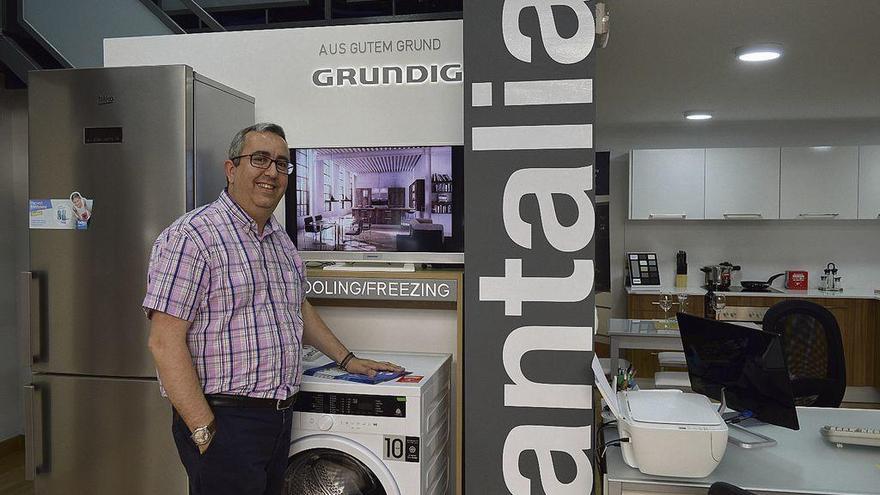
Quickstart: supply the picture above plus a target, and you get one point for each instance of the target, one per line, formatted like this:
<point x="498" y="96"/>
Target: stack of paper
<point x="605" y="388"/>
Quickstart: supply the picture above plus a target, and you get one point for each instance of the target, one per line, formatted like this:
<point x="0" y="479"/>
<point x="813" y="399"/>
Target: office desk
<point x="802" y="462"/>
<point x="641" y="334"/>
<point x="660" y="335"/>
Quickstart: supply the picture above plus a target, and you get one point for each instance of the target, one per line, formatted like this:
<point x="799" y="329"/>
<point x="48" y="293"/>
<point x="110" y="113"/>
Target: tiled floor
<point x="12" y="480"/>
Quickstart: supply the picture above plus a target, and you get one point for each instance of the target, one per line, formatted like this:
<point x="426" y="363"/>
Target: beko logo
<point x="387" y="75"/>
<point x="105" y="99"/>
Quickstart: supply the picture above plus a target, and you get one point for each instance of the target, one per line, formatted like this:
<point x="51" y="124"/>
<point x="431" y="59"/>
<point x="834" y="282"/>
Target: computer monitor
<point x="746" y="364"/>
<point x="377" y="204"/>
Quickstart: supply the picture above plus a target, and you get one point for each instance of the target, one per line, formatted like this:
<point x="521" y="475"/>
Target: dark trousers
<point x="248" y="455"/>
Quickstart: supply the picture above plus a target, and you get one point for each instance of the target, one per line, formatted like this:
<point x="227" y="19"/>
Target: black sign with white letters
<point x="529" y="114"/>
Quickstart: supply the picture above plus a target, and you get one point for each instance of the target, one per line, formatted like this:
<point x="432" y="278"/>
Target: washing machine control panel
<point x="384" y="406"/>
<point x="325" y="422"/>
<point x="350" y="424"/>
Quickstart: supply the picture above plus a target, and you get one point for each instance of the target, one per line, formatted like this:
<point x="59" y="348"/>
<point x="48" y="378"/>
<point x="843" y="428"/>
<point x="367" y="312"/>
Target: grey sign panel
<point x="382" y="289"/>
<point x="529" y="115"/>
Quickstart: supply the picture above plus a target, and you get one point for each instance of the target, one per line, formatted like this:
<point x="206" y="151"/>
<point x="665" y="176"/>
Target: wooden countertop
<point x="852" y="293"/>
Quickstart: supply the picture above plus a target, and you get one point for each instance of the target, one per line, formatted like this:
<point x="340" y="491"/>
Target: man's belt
<point x="222" y="400"/>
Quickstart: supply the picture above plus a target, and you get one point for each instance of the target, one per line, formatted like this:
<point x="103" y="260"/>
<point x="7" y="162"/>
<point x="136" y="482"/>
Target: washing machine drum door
<point x="329" y="472"/>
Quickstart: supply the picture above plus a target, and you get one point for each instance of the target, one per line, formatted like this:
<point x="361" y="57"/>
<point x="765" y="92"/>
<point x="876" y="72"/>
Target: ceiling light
<point x="697" y="115"/>
<point x="759" y="53"/>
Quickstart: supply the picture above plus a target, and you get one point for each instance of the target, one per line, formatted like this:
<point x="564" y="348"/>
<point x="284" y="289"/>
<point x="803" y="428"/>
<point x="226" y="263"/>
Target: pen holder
<point x="626" y="379"/>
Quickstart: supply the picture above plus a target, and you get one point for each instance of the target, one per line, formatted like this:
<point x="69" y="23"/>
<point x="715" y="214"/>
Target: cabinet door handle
<point x="33" y="418"/>
<point x="743" y="215"/>
<point x="818" y="215"/>
<point x="666" y="216"/>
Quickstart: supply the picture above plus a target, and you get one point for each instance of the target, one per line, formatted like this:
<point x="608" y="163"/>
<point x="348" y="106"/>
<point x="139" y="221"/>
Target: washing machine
<point x="390" y="438"/>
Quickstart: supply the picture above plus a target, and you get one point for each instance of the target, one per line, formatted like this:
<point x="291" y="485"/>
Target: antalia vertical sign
<point x="529" y="119"/>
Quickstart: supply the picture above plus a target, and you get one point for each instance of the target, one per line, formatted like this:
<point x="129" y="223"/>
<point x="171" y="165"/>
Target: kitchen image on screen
<point x="374" y="199"/>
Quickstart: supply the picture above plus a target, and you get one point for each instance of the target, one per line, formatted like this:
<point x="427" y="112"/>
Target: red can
<point x="797" y="280"/>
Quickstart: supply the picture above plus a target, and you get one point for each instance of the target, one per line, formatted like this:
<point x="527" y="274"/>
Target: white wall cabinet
<point x="742" y="183"/>
<point x="819" y="182"/>
<point x="869" y="182"/>
<point x="667" y="184"/>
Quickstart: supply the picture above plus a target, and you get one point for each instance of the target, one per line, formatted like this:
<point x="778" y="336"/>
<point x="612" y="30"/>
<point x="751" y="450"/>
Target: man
<point x="226" y="296"/>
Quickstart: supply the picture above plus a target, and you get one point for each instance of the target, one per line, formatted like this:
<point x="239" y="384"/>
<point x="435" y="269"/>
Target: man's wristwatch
<point x="202" y="435"/>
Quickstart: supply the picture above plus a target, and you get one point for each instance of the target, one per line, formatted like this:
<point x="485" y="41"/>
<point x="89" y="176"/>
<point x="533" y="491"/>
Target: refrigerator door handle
<point x="29" y="318"/>
<point x="33" y="434"/>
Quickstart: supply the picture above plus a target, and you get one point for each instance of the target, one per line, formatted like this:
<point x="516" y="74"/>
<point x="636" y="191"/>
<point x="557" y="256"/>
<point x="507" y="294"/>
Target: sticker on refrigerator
<point x="71" y="213"/>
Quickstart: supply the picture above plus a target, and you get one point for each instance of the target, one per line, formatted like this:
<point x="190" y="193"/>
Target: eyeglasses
<point x="262" y="161"/>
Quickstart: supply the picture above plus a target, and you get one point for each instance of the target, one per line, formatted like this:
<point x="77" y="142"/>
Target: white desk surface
<point x="802" y="462"/>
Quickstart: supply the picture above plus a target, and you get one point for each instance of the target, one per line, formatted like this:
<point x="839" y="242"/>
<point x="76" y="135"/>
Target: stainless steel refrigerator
<point x="142" y="145"/>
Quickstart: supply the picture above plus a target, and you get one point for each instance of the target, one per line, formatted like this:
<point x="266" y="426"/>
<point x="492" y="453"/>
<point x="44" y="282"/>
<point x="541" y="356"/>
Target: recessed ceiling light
<point x="759" y="53"/>
<point x="697" y="115"/>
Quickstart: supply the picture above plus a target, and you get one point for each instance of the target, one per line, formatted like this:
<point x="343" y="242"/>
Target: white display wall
<point x="290" y="71"/>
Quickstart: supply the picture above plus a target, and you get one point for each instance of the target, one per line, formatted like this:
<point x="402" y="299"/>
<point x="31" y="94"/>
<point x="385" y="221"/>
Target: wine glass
<point x="665" y="304"/>
<point x="682" y="302"/>
<point x="719" y="301"/>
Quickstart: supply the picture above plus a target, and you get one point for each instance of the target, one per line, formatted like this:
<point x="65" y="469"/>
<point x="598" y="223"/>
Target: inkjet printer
<point x="670" y="433"/>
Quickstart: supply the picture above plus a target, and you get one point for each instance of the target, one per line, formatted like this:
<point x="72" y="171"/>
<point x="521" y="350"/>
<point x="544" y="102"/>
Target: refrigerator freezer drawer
<point x="101" y="436"/>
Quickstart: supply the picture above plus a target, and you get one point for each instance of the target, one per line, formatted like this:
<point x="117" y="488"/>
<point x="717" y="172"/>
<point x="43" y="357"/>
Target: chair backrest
<point x="722" y="488"/>
<point x="318" y="218"/>
<point x="355" y="228"/>
<point x="813" y="351"/>
<point x="308" y="221"/>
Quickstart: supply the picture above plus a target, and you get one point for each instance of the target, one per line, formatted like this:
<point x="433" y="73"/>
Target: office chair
<point x="367" y="226"/>
<point x="318" y="227"/>
<point x="311" y="227"/>
<point x="354" y="229"/>
<point x="813" y="351"/>
<point x="722" y="488"/>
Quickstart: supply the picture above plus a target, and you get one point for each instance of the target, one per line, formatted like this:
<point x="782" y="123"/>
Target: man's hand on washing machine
<point x="369" y="367"/>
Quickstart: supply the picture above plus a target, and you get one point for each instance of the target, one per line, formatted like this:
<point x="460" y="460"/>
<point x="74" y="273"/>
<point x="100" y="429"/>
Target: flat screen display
<point x="748" y="364"/>
<point x="347" y="203"/>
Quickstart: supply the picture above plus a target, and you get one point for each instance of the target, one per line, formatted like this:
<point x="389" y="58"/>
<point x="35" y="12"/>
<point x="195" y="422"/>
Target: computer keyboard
<point x="852" y="435"/>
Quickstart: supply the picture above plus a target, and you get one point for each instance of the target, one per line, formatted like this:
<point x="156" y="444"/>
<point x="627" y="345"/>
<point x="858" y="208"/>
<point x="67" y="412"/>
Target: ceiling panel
<point x="666" y="57"/>
<point x="374" y="160"/>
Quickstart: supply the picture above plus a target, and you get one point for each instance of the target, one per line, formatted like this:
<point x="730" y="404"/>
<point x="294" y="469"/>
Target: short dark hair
<point x="237" y="143"/>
